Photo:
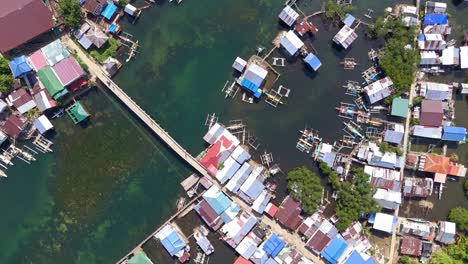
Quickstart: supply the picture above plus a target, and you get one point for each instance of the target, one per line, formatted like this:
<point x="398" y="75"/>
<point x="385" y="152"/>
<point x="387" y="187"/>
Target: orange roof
<point x="437" y="164"/>
<point x="241" y="260"/>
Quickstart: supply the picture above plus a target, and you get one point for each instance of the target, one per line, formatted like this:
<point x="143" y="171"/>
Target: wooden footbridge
<point x="96" y="70"/>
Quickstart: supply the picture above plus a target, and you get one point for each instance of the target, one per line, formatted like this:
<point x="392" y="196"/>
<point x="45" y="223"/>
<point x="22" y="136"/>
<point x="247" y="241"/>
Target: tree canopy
<point x="453" y="254"/>
<point x="459" y="216"/>
<point x="355" y="198"/>
<point x="6" y="78"/>
<point x="70" y="10"/>
<point x="332" y="177"/>
<point x="305" y="186"/>
<point x="335" y="11"/>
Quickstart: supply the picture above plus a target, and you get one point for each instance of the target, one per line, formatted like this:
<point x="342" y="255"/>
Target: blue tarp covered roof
<point x="273" y="245"/>
<point x="335" y="249"/>
<point x="356" y="258"/>
<point x="313" y="61"/>
<point x="251" y="87"/>
<point x="19" y="66"/>
<point x="109" y="11"/>
<point x="173" y="244"/>
<point x="454" y="133"/>
<point x="349" y="20"/>
<point x="435" y="19"/>
<point x="421" y="37"/>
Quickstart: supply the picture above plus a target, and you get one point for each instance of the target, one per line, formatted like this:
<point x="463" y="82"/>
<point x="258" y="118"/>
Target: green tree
<point x="355" y="198"/>
<point x="459" y="215"/>
<point x="441" y="257"/>
<point x="453" y="254"/>
<point x="406" y="260"/>
<point x="6" y="78"/>
<point x="70" y="10"/>
<point x="385" y="147"/>
<point x="332" y="177"/>
<point x="108" y="50"/>
<point x="335" y="11"/>
<point x="465" y="185"/>
<point x="305" y="186"/>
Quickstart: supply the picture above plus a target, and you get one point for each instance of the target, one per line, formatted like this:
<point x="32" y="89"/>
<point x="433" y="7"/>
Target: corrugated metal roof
<point x="454" y="133"/>
<point x="68" y="70"/>
<point x="335" y="249"/>
<point x="291" y="42"/>
<point x="50" y="81"/>
<point x="400" y="107"/>
<point x="288" y="15"/>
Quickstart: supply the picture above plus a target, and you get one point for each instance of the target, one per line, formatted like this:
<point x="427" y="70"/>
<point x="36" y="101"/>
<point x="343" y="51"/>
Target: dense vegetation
<point x="70" y="11"/>
<point x="305" y="186"/>
<point x="459" y="215"/>
<point x="6" y="79"/>
<point x="400" y="57"/>
<point x="406" y="260"/>
<point x="335" y="11"/>
<point x="355" y="198"/>
<point x="108" y="50"/>
<point x="385" y="147"/>
<point x="453" y="254"/>
<point x="465" y="185"/>
<point x="332" y="177"/>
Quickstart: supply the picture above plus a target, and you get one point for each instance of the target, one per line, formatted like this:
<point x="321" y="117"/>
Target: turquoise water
<point x="110" y="183"/>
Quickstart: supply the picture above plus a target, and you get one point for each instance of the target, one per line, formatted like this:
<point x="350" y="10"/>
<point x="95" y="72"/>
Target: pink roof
<point x="68" y="70"/>
<point x="221" y="149"/>
<point x="38" y="60"/>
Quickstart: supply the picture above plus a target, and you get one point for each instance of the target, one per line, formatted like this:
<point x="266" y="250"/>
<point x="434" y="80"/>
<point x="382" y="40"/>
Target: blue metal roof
<point x="172" y="243"/>
<point x="219" y="203"/>
<point x="421" y="37"/>
<point x="273" y="245"/>
<point x="313" y="61"/>
<point x="435" y="19"/>
<point x="394" y="137"/>
<point x="112" y="27"/>
<point x="356" y="258"/>
<point x="19" y="66"/>
<point x="349" y="20"/>
<point x="335" y="249"/>
<point x="251" y="87"/>
<point x="109" y="11"/>
<point x="454" y="133"/>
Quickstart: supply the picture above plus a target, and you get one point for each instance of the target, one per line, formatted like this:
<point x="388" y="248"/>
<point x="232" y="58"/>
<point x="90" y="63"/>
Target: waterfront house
<point x="19" y="66"/>
<point x="42" y="98"/>
<point x="400" y="107"/>
<point x="420" y="229"/>
<point x="384" y="222"/>
<point x="253" y="79"/>
<point x="239" y="64"/>
<point x="446" y="233"/>
<point x="411" y="246"/>
<point x="131" y="10"/>
<point x="49" y="80"/>
<point x="289" y="213"/>
<point x="383" y="178"/>
<point x="310" y="225"/>
<point x="349" y="20"/>
<point x="436" y="24"/>
<point x="216" y="132"/>
<point x="435" y="91"/>
<point x="242" y="260"/>
<point x="239" y="178"/>
<point x="273" y="245"/>
<point x="241" y="155"/>
<point x="111" y="66"/>
<point x="3" y="137"/>
<point x="388" y="199"/>
<point x="427" y="132"/>
<point x="371" y="153"/>
<point x="321" y="237"/>
<point x="42" y="124"/>
<point x="435" y="7"/>
<point x="97" y="37"/>
<point x="464" y="57"/>
<point x="335" y="249"/>
<point x="345" y="37"/>
<point x="109" y="10"/>
<point x="138" y="257"/>
<point x="260" y="204"/>
<point x="208" y="214"/>
<point x="409" y="15"/>
<point x="68" y="70"/>
<point x="451" y="133"/>
<point x="429" y="58"/>
<point x="312" y="61"/>
<point x="432" y="113"/>
<point x="231" y="212"/>
<point x="37" y="60"/>
<point x="217" y="158"/>
<point x="216" y="199"/>
<point x="304" y="27"/>
<point x="248" y="246"/>
<point x="288" y="15"/>
<point x="432" y="42"/>
<point x="252" y="188"/>
<point x="171" y="241"/>
<point x="450" y="56"/>
<point x="228" y="169"/>
<point x="379" y="90"/>
<point x="356" y="257"/>
<point x="327" y="155"/>
<point x="291" y="43"/>
<point x="13" y="126"/>
<point x="440" y="165"/>
<point x="21" y="21"/>
<point x="234" y="231"/>
<point x="21" y="100"/>
<point x="417" y="187"/>
<point x="394" y="134"/>
<point x="94" y="6"/>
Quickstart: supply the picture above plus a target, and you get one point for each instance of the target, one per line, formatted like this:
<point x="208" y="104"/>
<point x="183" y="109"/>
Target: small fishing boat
<point x="347" y="111"/>
<point x="3" y="174"/>
<point x="353" y="129"/>
<point x="180" y="203"/>
<point x="202" y="241"/>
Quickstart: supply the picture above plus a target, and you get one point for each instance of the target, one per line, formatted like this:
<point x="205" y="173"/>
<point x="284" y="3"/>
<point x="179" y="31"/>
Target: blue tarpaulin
<point x="335" y="249"/>
<point x="19" y="66"/>
<point x="112" y="27"/>
<point x="421" y="37"/>
<point x="251" y="87"/>
<point x="109" y="11"/>
<point x="313" y="61"/>
<point x="454" y="133"/>
<point x="356" y="258"/>
<point x="273" y="246"/>
<point x="172" y="243"/>
<point x="435" y="19"/>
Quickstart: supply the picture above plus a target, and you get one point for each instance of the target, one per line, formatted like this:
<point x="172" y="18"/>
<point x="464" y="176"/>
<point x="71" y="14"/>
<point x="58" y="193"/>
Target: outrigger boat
<point x="347" y="110"/>
<point x="180" y="203"/>
<point x="273" y="98"/>
<point x="353" y="129"/>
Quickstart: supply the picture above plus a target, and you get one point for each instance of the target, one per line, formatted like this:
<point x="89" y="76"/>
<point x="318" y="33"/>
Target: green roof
<point x="50" y="81"/>
<point x="77" y="113"/>
<point x="400" y="107"/>
<point x="139" y="258"/>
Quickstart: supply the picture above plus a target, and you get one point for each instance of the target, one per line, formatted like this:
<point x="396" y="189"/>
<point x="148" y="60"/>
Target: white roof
<point x="384" y="222"/>
<point x="449" y="227"/>
<point x="345" y="36"/>
<point x="427" y="132"/>
<point x="27" y="106"/>
<point x="288" y="15"/>
<point x="239" y="64"/>
<point x="229" y="169"/>
<point x="261" y="202"/>
<point x="42" y="101"/>
<point x="255" y="74"/>
<point x="43" y="124"/>
<point x="326" y="148"/>
<point x="379" y="90"/>
<point x="247" y="247"/>
<point x="387" y="195"/>
<point x="3" y="105"/>
<point x="214" y="133"/>
<point x="231" y="212"/>
<point x="129" y="9"/>
<point x="382" y="173"/>
<point x="291" y="42"/>
<point x="3" y="137"/>
<point x="252" y="187"/>
<point x="464" y="57"/>
<point x="240" y="154"/>
<point x="410" y="10"/>
<point x="239" y="178"/>
<point x="236" y="230"/>
<point x="449" y="56"/>
<point x="434" y="37"/>
<point x="429" y="58"/>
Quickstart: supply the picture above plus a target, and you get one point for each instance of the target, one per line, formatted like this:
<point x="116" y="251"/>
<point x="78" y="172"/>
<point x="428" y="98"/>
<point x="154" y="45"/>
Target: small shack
<point x="253" y="79"/>
<point x="291" y="42"/>
<point x="446" y="233"/>
<point x="239" y="64"/>
<point x="43" y="124"/>
<point x="109" y="10"/>
<point x="384" y="222"/>
<point x="411" y="246"/>
<point x="379" y="90"/>
<point x="349" y="20"/>
<point x="77" y="113"/>
<point x="345" y="37"/>
<point x="400" y="107"/>
<point x="171" y="241"/>
<point x="288" y="15"/>
<point x="313" y="61"/>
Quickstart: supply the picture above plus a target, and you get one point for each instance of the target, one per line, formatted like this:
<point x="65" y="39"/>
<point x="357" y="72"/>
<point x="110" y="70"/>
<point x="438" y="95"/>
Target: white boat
<point x="3" y="174"/>
<point x="203" y="242"/>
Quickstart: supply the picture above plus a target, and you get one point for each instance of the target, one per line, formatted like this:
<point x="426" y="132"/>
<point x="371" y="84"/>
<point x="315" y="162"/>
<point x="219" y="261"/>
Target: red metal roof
<point x="304" y="27"/>
<point x="241" y="260"/>
<point x="272" y="210"/>
<point x="432" y="113"/>
<point x="68" y="70"/>
<point x="13" y="126"/>
<point x="77" y="84"/>
<point x="94" y="6"/>
<point x="289" y="213"/>
<point x="209" y="215"/>
<point x="38" y="60"/>
<point x="21" y="21"/>
<point x="318" y="242"/>
<point x="211" y="158"/>
<point x="411" y="246"/>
